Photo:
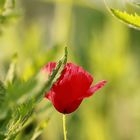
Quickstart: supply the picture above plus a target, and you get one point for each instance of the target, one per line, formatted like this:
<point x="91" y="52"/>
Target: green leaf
<point x="131" y="19"/>
<point x="20" y="115"/>
<point x="23" y="87"/>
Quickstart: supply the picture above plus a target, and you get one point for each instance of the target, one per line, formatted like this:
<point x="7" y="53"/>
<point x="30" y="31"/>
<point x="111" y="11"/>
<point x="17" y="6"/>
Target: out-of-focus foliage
<point x="108" y="49"/>
<point x="16" y="110"/>
<point x="7" y="12"/>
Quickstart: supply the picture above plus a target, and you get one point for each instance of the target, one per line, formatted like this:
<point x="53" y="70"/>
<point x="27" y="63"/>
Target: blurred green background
<point x="105" y="47"/>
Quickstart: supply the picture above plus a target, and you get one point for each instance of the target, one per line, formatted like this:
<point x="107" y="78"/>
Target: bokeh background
<point x="97" y="41"/>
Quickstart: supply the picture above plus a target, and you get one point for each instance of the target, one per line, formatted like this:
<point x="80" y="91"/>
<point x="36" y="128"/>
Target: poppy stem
<point x="64" y="127"/>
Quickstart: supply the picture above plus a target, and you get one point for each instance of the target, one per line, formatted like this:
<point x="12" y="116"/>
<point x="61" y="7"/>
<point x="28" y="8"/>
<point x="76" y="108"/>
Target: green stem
<point x="64" y="127"/>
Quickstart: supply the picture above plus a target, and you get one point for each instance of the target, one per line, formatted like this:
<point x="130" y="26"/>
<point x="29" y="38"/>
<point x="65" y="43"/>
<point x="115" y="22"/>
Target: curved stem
<point x="64" y="127"/>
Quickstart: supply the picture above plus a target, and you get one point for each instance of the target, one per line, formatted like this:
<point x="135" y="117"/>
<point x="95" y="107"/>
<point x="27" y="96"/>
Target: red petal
<point x="96" y="87"/>
<point x="78" y="81"/>
<point x="65" y="109"/>
<point x="72" y="106"/>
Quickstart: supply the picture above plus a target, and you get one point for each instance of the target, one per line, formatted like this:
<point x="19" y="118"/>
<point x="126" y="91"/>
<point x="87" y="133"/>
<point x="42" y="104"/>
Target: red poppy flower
<point x="71" y="88"/>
